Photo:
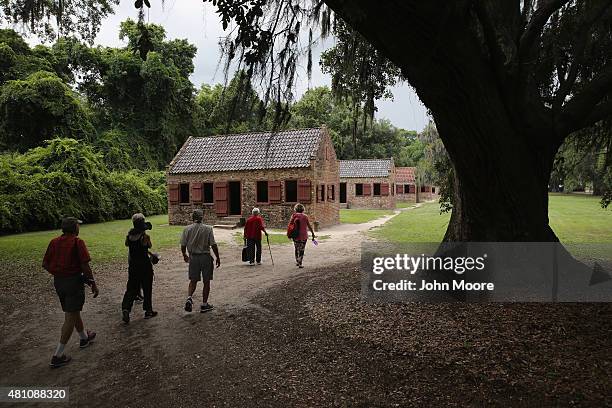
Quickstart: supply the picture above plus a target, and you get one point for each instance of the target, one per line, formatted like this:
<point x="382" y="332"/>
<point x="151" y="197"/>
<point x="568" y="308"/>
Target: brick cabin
<point x="367" y="183"/>
<point x="226" y="176"/>
<point x="406" y="186"/>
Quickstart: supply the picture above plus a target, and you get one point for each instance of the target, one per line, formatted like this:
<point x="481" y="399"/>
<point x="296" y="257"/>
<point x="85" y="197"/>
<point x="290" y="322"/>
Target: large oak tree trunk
<point x="502" y="157"/>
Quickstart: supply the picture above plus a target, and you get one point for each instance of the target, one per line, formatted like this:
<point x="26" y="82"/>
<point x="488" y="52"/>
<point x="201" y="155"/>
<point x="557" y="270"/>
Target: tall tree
<point x="506" y="83"/>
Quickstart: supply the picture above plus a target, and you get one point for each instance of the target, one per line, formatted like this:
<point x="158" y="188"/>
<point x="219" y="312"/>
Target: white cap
<point x="255" y="211"/>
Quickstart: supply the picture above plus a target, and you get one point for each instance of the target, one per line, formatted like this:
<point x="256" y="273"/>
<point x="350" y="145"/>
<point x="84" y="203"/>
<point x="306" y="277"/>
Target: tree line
<point x="88" y="130"/>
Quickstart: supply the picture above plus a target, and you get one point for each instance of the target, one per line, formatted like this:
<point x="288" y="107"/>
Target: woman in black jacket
<point x="140" y="270"/>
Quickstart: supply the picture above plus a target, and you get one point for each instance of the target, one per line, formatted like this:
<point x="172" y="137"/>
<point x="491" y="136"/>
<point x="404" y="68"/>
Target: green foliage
<point x="39" y="108"/>
<point x="318" y="107"/>
<point x="145" y="93"/>
<point x="230" y="109"/>
<point x="67" y="177"/>
<point x="435" y="167"/>
<point x="47" y="18"/>
<point x="583" y="163"/>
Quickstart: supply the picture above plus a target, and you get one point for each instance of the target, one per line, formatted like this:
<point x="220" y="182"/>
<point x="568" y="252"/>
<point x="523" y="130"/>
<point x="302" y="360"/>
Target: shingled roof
<point x="247" y="151"/>
<point x="404" y="174"/>
<point x="366" y="168"/>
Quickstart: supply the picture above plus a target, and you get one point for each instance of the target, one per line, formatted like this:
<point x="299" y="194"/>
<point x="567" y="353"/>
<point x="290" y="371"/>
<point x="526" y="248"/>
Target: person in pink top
<point x="302" y="225"/>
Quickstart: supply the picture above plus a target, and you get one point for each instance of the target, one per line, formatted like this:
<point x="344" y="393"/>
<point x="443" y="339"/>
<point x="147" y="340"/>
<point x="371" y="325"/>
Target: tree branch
<point x="534" y="28"/>
<point x="578" y="47"/>
<point x="500" y="25"/>
<point x="584" y="105"/>
<point x="600" y="112"/>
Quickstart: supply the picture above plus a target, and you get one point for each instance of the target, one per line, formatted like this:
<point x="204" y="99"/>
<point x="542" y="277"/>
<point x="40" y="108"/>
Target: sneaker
<point x="258" y="263"/>
<point x="125" y="316"/>
<point x="251" y="263"/>
<point x="59" y="361"/>
<point x="300" y="266"/>
<point x="90" y="336"/>
<point x="188" y="305"/>
<point x="149" y="314"/>
<point x="206" y="308"/>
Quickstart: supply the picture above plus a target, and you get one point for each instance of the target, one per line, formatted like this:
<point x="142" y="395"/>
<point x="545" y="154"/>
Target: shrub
<point x="67" y="177"/>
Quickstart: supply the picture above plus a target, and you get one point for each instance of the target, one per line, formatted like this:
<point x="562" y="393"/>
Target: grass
<point x="579" y="218"/>
<point x="422" y="224"/>
<point x="105" y="241"/>
<point x="350" y="216"/>
<point x="275" y="239"/>
<point x="402" y="204"/>
<point x="574" y="218"/>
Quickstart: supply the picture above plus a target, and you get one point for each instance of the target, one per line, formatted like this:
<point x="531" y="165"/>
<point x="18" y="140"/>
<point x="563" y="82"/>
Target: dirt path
<point x="289" y="337"/>
<point x="145" y="350"/>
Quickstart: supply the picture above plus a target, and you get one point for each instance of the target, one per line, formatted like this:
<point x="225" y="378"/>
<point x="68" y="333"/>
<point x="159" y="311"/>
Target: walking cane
<point x="270" y="249"/>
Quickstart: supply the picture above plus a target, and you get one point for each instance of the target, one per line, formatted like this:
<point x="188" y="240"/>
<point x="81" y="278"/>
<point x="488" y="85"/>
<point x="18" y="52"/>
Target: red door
<point x="220" y="198"/>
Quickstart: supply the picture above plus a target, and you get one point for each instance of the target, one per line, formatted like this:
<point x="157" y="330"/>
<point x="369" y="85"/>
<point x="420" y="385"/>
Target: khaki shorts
<point x="200" y="267"/>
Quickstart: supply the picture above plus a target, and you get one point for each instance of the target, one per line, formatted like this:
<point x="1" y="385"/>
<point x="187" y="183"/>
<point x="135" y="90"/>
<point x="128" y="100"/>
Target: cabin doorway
<point x="343" y="193"/>
<point x="234" y="198"/>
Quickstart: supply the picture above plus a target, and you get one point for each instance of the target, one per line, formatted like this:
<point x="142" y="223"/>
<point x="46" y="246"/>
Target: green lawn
<point x="402" y="204"/>
<point x="350" y="216"/>
<point x="574" y="218"/>
<point x="104" y="240"/>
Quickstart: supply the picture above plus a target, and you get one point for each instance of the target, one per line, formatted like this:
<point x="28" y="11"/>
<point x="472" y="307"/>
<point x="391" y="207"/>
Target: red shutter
<point x="196" y="193"/>
<point x="220" y="196"/>
<point x="173" y="193"/>
<point x="411" y="189"/>
<point x="367" y="189"/>
<point x="304" y="193"/>
<point x="384" y="189"/>
<point x="274" y="191"/>
<point x="399" y="188"/>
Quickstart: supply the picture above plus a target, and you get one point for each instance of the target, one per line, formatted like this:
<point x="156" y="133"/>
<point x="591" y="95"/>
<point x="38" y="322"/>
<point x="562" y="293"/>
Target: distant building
<point x="367" y="183"/>
<point x="406" y="186"/>
<point x="226" y="176"/>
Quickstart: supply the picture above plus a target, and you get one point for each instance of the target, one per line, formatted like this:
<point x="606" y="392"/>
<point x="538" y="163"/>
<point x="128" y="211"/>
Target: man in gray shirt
<point x="196" y="243"/>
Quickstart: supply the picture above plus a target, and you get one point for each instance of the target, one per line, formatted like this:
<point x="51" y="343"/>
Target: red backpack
<point x="293" y="228"/>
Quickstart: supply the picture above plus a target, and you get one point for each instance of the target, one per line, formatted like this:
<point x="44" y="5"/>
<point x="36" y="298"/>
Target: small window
<point x="208" y="193"/>
<point x="358" y="189"/>
<point x="406" y="188"/>
<point x="433" y="190"/>
<point x="333" y="192"/>
<point x="422" y="189"/>
<point x="376" y="189"/>
<point x="184" y="193"/>
<point x="321" y="193"/>
<point x="262" y="192"/>
<point x="291" y="191"/>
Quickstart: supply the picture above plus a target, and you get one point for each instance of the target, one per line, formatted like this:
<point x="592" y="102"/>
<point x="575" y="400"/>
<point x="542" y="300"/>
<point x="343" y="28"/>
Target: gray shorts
<point x="200" y="267"/>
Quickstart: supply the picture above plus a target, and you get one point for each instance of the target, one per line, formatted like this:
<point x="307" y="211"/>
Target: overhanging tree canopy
<point x="506" y="83"/>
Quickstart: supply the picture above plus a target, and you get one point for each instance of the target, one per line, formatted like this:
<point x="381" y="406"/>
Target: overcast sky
<point x="197" y="22"/>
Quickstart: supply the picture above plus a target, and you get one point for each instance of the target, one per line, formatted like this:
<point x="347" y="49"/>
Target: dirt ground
<point x="281" y="336"/>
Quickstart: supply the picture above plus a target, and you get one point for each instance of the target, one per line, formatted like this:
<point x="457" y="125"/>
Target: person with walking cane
<point x="253" y="228"/>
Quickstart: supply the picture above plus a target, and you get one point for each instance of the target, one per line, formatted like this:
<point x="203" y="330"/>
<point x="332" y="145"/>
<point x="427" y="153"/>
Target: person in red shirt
<point x="252" y="233"/>
<point x="303" y="225"/>
<point x="67" y="259"/>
